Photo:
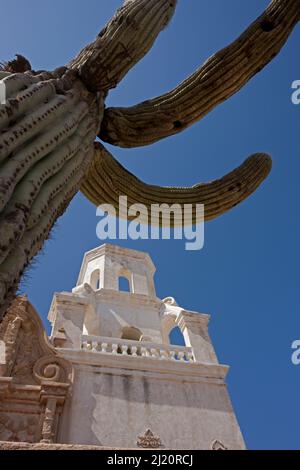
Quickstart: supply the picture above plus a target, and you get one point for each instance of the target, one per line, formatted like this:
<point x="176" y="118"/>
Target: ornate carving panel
<point x="217" y="445"/>
<point x="149" y="441"/>
<point x="34" y="381"/>
<point x="15" y="427"/>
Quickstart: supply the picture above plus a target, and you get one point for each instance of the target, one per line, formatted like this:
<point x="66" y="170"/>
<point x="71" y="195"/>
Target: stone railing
<point x="121" y="347"/>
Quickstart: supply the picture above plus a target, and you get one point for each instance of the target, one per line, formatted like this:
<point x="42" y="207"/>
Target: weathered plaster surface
<point x="109" y="376"/>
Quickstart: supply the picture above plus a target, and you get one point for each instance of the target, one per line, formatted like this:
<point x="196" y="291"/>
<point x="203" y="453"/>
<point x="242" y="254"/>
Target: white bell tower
<point x="132" y="388"/>
<point x="103" y="267"/>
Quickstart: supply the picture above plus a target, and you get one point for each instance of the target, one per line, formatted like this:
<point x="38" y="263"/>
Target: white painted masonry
<point x="131" y="387"/>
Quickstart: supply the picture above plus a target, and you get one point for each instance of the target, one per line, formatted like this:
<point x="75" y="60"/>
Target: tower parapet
<point x="131" y="382"/>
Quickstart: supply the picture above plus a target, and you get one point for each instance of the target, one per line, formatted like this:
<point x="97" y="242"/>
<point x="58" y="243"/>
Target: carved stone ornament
<point x="52" y="369"/>
<point x="34" y="381"/>
<point x="170" y="301"/>
<point x="149" y="441"/>
<point x="217" y="445"/>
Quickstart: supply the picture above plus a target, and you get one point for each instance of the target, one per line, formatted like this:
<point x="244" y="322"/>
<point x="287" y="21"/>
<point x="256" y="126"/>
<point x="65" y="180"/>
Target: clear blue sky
<point x="247" y="276"/>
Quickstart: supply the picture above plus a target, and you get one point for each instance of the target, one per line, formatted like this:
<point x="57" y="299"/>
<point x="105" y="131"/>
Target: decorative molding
<point x="217" y="445"/>
<point x="68" y="301"/>
<point x="25" y="446"/>
<point x="49" y="428"/>
<point x="199" y="372"/>
<point x="34" y="381"/>
<point x="53" y="369"/>
<point x="189" y="319"/>
<point x="82" y="295"/>
<point x="18" y="428"/>
<point x="170" y="301"/>
<point x="25" y="341"/>
<point x="149" y="441"/>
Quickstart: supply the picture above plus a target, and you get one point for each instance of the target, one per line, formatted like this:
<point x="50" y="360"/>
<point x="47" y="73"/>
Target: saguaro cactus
<point x="50" y="120"/>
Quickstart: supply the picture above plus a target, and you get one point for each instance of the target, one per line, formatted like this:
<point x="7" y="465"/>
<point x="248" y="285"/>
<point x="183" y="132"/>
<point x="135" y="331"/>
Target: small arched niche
<point x="95" y="280"/>
<point x="131" y="333"/>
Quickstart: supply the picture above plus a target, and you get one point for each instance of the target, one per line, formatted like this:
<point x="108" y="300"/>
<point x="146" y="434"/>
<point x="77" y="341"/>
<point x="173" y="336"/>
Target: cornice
<point x="83" y="296"/>
<point x="172" y="370"/>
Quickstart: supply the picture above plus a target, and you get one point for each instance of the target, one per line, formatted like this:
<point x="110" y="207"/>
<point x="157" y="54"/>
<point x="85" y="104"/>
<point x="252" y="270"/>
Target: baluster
<point x="84" y="345"/>
<point x="164" y="355"/>
<point x="154" y="353"/>
<point x="134" y="351"/>
<point x="124" y="350"/>
<point x="167" y="355"/>
<point x="172" y="355"/>
<point x="181" y="356"/>
<point x="144" y="352"/>
<point x="190" y="357"/>
<point x="115" y="349"/>
<point x="104" y="347"/>
<point x="95" y="346"/>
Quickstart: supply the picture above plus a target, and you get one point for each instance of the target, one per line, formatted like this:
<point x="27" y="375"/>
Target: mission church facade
<point x="108" y="376"/>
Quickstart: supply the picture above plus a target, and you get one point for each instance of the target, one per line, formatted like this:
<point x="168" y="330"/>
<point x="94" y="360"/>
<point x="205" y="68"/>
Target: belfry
<point x="108" y="375"/>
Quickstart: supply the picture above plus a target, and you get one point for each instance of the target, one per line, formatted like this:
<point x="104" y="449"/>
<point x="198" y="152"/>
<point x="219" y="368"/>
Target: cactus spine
<point x="47" y="132"/>
<point x="50" y="121"/>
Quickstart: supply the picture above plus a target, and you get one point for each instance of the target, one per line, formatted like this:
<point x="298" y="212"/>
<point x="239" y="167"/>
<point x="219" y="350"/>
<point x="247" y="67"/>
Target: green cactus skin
<point x="50" y="121"/>
<point x="48" y="128"/>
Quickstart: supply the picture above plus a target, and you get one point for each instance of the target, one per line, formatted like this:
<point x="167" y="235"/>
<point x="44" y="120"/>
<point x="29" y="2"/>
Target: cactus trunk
<point x="50" y="120"/>
<point x="48" y="125"/>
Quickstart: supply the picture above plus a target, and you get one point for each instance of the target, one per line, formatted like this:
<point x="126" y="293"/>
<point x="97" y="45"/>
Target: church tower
<point x="131" y="387"/>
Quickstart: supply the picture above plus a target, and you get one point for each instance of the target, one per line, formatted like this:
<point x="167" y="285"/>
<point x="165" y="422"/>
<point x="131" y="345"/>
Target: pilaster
<point x="194" y="327"/>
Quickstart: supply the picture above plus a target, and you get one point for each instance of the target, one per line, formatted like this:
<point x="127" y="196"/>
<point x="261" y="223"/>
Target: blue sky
<point x="247" y="275"/>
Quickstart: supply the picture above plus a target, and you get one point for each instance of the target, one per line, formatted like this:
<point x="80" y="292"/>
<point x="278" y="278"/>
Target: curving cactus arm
<point x="218" y="79"/>
<point x="50" y="120"/>
<point x="107" y="180"/>
<point x="122" y="43"/>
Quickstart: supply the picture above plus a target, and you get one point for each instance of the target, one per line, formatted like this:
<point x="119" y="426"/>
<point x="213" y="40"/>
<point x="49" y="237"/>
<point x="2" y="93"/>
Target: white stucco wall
<point x="112" y="317"/>
<point x="120" y="391"/>
<point x="113" y="409"/>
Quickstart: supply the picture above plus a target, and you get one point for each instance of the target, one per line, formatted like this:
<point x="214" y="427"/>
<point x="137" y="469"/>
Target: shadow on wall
<point x="131" y="333"/>
<point x="157" y="393"/>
